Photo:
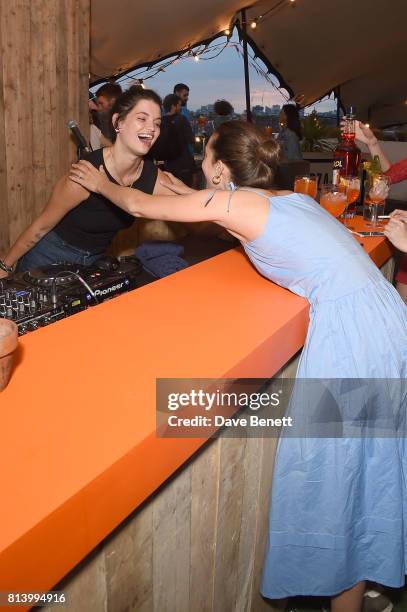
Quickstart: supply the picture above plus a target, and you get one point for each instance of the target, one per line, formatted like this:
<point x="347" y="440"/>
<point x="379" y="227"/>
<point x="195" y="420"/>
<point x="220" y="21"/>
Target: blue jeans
<point x="52" y="249"/>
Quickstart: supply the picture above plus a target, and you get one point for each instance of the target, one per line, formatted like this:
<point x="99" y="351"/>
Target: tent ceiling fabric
<point x="315" y="45"/>
<point x="128" y="33"/>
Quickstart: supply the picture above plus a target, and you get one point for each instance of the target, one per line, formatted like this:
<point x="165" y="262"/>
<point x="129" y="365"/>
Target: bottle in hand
<point x="347" y="153"/>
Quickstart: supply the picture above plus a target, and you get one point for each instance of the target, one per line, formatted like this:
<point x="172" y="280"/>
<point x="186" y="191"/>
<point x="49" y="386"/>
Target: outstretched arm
<point x="188" y="208"/>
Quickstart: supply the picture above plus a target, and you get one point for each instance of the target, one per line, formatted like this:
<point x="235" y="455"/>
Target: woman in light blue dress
<point x="338" y="504"/>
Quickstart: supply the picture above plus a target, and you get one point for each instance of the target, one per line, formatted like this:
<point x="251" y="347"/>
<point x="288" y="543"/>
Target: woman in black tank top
<point x="76" y="226"/>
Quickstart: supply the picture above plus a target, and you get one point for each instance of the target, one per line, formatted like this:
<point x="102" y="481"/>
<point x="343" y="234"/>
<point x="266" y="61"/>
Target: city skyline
<point x="224" y="77"/>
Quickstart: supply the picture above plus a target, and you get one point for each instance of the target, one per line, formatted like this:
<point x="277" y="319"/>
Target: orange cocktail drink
<point x="333" y="199"/>
<point x="307" y="185"/>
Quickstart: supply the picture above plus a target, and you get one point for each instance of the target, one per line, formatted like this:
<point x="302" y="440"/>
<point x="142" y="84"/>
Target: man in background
<point x="173" y="145"/>
<point x="106" y="96"/>
<point x="182" y="91"/>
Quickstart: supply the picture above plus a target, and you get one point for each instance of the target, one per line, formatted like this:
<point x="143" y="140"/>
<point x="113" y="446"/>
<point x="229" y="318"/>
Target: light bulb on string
<point x="196" y="58"/>
<point x="253" y="24"/>
<point x="227" y="32"/>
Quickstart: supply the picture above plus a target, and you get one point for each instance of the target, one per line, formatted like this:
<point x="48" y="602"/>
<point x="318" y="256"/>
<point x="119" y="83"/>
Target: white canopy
<point x="315" y="45"/>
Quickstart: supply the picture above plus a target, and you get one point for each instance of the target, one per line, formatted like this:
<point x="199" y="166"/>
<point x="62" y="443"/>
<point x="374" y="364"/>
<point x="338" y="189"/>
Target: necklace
<point x="138" y="171"/>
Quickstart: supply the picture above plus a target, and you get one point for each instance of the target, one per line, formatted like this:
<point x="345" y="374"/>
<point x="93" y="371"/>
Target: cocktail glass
<point x="333" y="198"/>
<point x="306" y="184"/>
<point x="376" y="193"/>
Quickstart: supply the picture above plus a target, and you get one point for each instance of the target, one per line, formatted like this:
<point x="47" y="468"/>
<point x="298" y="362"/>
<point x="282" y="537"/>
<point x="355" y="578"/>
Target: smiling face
<point x="140" y="128"/>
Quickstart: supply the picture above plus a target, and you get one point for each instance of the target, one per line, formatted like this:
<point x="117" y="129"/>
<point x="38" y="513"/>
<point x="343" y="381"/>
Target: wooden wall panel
<point x="43" y="83"/>
<point x="4" y="213"/>
<point x="197" y="544"/>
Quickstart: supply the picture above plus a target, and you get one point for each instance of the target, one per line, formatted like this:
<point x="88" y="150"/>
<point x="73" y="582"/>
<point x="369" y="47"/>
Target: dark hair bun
<point x="268" y="151"/>
<point x="251" y="157"/>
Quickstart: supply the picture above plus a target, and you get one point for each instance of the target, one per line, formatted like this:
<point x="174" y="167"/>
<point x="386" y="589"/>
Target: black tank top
<point x="94" y="222"/>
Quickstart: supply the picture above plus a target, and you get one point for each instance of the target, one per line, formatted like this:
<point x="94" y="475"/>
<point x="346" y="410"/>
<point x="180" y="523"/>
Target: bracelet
<point x="5" y="267"/>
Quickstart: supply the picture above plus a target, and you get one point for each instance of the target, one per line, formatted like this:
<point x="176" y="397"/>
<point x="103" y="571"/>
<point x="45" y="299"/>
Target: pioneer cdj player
<point x="43" y="295"/>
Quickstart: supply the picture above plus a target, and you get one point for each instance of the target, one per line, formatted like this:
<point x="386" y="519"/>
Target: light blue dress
<point x="339" y="508"/>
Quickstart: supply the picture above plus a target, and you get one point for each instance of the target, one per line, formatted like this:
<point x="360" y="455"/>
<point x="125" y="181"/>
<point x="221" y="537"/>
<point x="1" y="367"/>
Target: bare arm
<point x="244" y="219"/>
<point x="365" y="135"/>
<point x="65" y="196"/>
<point x="168" y="184"/>
<point x="187" y="208"/>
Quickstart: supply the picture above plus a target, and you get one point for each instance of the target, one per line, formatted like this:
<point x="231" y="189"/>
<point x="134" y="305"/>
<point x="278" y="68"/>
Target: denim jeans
<point x="52" y="249"/>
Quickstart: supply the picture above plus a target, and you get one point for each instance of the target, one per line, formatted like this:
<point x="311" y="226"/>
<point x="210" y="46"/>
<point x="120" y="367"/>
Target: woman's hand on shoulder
<point x="85" y="174"/>
<point x="173" y="185"/>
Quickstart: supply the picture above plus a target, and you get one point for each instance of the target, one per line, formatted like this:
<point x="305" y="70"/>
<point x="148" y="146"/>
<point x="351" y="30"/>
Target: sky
<point x="221" y="78"/>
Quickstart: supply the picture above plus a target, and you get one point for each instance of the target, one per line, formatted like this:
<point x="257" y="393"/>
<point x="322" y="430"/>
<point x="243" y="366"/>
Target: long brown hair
<point x="250" y="155"/>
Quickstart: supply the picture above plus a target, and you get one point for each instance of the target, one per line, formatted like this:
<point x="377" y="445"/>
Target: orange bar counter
<point x="78" y="447"/>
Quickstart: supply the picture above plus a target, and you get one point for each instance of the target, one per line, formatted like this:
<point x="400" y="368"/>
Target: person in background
<point x="175" y="141"/>
<point x="223" y="112"/>
<point x="397" y="172"/>
<point x="106" y="97"/>
<point x="290" y="132"/>
<point x="331" y="526"/>
<point x="96" y="139"/>
<point x="76" y="226"/>
<point x="182" y="91"/>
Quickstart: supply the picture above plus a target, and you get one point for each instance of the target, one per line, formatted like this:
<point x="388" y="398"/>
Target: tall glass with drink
<point x="351" y="186"/>
<point x="306" y="184"/>
<point x="333" y="199"/>
<point x="377" y="190"/>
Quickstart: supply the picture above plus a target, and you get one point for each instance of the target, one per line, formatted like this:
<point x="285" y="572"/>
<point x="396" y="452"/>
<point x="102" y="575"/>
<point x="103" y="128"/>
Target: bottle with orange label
<point x="347" y="154"/>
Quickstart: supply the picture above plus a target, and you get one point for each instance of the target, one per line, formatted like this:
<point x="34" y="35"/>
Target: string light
<point x="367" y="125"/>
<point x="227" y="32"/>
<point x="149" y="71"/>
<point x="254" y="22"/>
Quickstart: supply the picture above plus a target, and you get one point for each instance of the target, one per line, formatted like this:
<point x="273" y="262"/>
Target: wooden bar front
<point x="78" y="440"/>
